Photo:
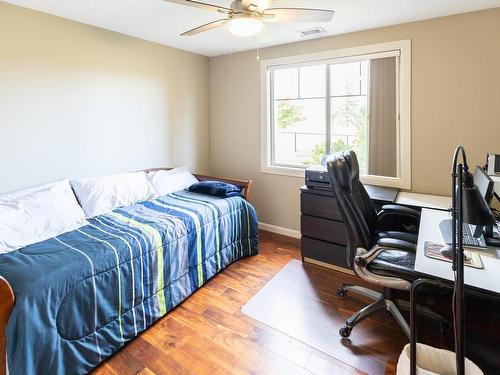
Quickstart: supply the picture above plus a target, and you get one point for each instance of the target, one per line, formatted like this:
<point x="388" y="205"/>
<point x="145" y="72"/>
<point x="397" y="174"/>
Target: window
<point x="354" y="99"/>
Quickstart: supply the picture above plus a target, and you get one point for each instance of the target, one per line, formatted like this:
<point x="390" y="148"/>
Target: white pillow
<point x="37" y="214"/>
<point x="166" y="182"/>
<point x="100" y="195"/>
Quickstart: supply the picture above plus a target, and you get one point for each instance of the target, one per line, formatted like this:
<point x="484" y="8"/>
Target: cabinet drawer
<point x="320" y="206"/>
<point x="323" y="229"/>
<point x="324" y="252"/>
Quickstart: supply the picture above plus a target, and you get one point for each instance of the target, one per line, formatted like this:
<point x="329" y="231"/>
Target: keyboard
<point x="468" y="237"/>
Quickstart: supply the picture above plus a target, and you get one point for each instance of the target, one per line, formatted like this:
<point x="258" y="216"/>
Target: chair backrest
<point x="355" y="205"/>
<point x="363" y="200"/>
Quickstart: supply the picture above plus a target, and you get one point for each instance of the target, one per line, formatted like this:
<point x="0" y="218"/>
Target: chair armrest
<point x="397" y="244"/>
<point x="394" y="209"/>
<point x="364" y="257"/>
<point x="398" y="235"/>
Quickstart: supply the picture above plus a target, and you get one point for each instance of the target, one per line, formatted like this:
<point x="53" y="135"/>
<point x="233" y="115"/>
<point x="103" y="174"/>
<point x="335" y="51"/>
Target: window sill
<point x="369" y="180"/>
<point x="393" y="182"/>
<point x="284" y="171"/>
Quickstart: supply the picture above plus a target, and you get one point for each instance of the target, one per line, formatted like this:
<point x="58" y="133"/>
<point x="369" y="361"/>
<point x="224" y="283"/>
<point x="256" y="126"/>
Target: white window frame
<point x="403" y="49"/>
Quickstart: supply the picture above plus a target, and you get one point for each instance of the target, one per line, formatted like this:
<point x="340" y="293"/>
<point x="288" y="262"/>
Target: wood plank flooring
<point x="208" y="334"/>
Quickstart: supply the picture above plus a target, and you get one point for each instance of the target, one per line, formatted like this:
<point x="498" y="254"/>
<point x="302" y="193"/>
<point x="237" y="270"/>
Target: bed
<point x="70" y="302"/>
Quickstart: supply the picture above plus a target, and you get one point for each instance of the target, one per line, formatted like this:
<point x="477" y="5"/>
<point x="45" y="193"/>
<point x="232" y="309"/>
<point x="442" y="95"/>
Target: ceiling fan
<point x="245" y="18"/>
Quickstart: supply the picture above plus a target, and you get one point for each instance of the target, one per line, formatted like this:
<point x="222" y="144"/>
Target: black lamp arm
<point x="456" y="210"/>
<point x="458" y="258"/>
<point x="459" y="151"/>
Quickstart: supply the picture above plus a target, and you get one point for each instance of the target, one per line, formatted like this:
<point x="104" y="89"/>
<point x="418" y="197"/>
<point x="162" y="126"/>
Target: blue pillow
<point x="216" y="188"/>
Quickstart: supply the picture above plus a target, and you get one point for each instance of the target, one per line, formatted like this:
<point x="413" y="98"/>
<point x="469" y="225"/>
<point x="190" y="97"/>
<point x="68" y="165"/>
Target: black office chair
<point x="384" y="258"/>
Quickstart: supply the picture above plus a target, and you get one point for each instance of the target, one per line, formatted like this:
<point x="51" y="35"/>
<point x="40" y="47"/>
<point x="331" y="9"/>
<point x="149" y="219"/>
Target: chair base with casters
<point x="384" y="300"/>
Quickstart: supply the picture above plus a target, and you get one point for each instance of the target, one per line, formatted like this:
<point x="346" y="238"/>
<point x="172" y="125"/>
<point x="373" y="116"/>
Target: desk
<point x="437" y="202"/>
<point x="486" y="279"/>
<point x="435" y="271"/>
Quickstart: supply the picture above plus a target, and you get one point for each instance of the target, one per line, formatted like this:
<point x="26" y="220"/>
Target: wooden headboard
<point x="245" y="184"/>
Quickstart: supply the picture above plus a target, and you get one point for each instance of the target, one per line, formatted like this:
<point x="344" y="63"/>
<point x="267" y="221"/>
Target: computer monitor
<point x="486" y="186"/>
<point x="484" y="183"/>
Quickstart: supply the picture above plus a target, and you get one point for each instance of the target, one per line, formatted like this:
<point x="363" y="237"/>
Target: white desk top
<point x="437" y="202"/>
<point x="487" y="278"/>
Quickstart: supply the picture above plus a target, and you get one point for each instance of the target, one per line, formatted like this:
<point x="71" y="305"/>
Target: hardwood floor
<point x="208" y="334"/>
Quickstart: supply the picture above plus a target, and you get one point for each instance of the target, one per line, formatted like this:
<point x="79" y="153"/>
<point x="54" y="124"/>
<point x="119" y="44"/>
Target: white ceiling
<point x="162" y="22"/>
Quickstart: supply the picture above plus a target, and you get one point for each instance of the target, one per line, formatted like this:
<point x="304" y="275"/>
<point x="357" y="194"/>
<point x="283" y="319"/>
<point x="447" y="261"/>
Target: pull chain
<point x="258" y="47"/>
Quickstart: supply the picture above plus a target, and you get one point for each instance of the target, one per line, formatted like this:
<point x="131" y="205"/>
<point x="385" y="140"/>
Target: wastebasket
<point x="433" y="361"/>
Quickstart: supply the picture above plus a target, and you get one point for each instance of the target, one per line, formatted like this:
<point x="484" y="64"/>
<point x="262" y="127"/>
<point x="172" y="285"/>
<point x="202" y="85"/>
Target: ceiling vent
<point x="311" y="32"/>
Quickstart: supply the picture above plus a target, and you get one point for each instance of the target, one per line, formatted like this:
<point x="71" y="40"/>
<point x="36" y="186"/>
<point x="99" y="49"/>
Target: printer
<point x="316" y="176"/>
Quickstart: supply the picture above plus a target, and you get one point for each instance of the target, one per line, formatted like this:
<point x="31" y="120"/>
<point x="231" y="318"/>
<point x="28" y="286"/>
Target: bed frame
<point x="6" y="305"/>
<point x="7" y="298"/>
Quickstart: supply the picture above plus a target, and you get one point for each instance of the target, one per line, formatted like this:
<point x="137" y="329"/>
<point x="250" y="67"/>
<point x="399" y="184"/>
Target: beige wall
<point x="455" y="100"/>
<point x="78" y="101"/>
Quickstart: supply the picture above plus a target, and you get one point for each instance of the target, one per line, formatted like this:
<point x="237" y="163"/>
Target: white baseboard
<point x="280" y="230"/>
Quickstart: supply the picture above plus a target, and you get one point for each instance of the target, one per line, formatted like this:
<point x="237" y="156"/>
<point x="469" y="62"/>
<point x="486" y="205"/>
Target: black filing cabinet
<point x="324" y="236"/>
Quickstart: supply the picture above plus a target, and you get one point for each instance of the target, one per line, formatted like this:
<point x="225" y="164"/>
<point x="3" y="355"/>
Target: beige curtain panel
<point x="382" y="127"/>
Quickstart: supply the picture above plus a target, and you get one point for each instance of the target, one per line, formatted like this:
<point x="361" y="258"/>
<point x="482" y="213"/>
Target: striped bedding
<point x="82" y="295"/>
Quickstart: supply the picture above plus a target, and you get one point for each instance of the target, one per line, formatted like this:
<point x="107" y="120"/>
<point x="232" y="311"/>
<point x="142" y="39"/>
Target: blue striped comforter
<point x="82" y="295"/>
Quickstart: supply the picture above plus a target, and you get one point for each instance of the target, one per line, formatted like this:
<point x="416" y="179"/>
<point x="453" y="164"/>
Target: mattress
<point x="82" y="295"/>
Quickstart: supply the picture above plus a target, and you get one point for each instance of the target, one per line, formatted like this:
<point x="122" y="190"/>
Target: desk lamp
<point x="468" y="206"/>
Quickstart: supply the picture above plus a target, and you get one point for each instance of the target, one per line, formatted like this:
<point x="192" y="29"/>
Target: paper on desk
<point x="471" y="258"/>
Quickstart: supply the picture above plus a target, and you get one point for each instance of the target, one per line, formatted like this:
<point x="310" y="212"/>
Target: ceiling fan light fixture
<point x="244" y="25"/>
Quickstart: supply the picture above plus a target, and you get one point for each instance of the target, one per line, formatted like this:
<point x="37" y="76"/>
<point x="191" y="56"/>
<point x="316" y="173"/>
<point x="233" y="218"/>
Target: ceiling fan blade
<point x="297" y="15"/>
<point x="205" y="27"/>
<point x="201" y="5"/>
